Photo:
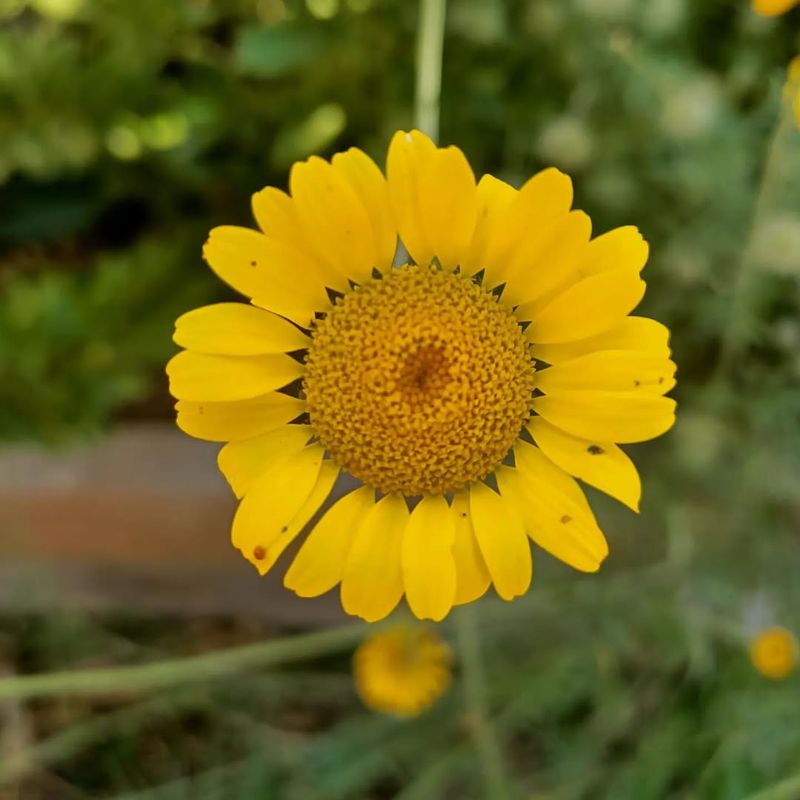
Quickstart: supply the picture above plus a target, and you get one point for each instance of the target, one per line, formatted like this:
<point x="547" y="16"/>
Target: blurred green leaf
<point x="271" y="51"/>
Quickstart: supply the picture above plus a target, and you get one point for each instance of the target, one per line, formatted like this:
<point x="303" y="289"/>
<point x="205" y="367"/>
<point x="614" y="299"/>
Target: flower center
<point x="418" y="382"/>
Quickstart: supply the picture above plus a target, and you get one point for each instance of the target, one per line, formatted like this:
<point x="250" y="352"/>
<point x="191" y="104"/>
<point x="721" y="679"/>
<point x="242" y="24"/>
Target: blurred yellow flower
<point x="774" y="652"/>
<point x="471" y="383"/>
<point x="402" y="671"/>
<point x="771" y="8"/>
<point x="793" y="87"/>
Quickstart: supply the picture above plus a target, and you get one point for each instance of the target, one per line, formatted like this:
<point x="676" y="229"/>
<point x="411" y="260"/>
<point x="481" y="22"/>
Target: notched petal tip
<point x="255" y="560"/>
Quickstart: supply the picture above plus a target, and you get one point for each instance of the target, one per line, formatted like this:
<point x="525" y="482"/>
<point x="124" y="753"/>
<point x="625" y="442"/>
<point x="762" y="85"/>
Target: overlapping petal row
<point x="601" y="376"/>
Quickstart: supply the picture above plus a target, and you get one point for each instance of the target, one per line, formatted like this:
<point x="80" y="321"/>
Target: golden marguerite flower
<point x="774" y="653"/>
<point x="469" y="384"/>
<point x="792" y="89"/>
<point x="771" y="8"/>
<point x="402" y="671"/>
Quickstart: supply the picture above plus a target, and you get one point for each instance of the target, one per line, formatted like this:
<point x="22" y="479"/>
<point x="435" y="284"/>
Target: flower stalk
<point x="180" y="671"/>
<point x="739" y="319"/>
<point x="480" y="725"/>
<point x="430" y="44"/>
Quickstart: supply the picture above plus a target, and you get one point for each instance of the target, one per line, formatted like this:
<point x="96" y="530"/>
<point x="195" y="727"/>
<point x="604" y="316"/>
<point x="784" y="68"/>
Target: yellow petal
<point x="275" y="546"/>
<point x="608" y="416"/>
<point x="493" y="197"/>
<point x="771" y="8"/>
<point x="202" y="377"/>
<point x="502" y="541"/>
<point x="530" y="461"/>
<point x="273" y="502"/>
<point x="447" y="204"/>
<point x="237" y="329"/>
<point x="319" y="565"/>
<point x="546" y="259"/>
<point x="276" y="215"/>
<point x="408" y="154"/>
<point x="273" y="274"/>
<point x="553" y="509"/>
<point x="429" y="572"/>
<point x="589" y="307"/>
<point x="472" y="577"/>
<point x="545" y="198"/>
<point x="600" y="464"/>
<point x="610" y="370"/>
<point x="367" y="181"/>
<point x="621" y="248"/>
<point x="245" y="461"/>
<point x="632" y="333"/>
<point x="242" y="419"/>
<point x="334" y="218"/>
<point x="372" y="584"/>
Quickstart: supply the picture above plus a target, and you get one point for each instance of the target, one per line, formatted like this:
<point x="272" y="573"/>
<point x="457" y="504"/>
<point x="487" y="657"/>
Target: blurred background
<point x="128" y="130"/>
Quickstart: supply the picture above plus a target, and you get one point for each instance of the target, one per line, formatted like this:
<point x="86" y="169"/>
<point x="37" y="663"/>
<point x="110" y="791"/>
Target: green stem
<point x="788" y="789"/>
<point x="430" y="43"/>
<point x="204" y="785"/>
<point x="731" y="340"/>
<point x="479" y="721"/>
<point x="179" y="671"/>
<point x="66" y="744"/>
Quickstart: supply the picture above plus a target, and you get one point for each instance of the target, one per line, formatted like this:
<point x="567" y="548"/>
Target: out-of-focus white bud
<point x="566" y="142"/>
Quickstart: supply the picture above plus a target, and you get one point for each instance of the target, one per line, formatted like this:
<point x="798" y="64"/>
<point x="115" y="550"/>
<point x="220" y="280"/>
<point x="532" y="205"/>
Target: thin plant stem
<point x="770" y="179"/>
<point x="179" y="671"/>
<point x="788" y="789"/>
<point x="78" y="738"/>
<point x="480" y="724"/>
<point x="430" y="44"/>
<point x="205" y="785"/>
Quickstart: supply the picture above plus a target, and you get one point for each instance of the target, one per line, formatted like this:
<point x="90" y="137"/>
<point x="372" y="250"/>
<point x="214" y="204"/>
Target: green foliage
<point x="615" y="705"/>
<point x="77" y="346"/>
<point x="273" y="51"/>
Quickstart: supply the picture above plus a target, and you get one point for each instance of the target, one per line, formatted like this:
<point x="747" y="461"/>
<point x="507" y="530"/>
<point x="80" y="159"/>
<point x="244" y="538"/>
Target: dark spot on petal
<point x="565" y="519"/>
<point x="661" y="379"/>
<point x="253" y="264"/>
<point x="595" y="450"/>
<point x="463" y="513"/>
<point x="259" y="553"/>
<point x="284" y="529"/>
<point x="637" y="383"/>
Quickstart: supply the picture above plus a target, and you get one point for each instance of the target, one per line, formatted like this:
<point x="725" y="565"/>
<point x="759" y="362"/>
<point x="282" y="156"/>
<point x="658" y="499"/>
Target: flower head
<point x="465" y="389"/>
<point x="771" y="8"/>
<point x="774" y="653"/>
<point x="402" y="671"/>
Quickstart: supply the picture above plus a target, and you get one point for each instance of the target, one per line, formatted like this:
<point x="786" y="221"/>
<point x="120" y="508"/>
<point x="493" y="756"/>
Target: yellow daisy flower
<point x="771" y="8"/>
<point x="402" y="671"/>
<point x="792" y="88"/>
<point x="470" y="384"/>
<point x="774" y="653"/>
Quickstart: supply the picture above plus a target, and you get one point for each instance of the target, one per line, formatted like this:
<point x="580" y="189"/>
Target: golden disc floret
<point x="418" y="381"/>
